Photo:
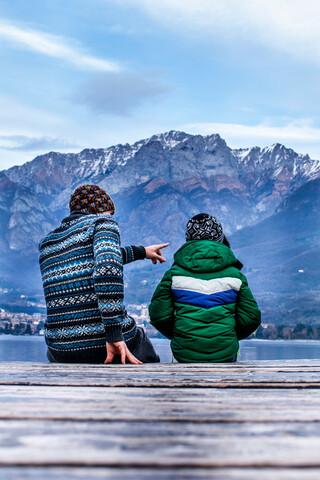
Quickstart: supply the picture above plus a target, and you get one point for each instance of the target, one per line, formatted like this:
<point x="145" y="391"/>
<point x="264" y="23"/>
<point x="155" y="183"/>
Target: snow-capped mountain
<point x="157" y="184"/>
<point x="172" y="156"/>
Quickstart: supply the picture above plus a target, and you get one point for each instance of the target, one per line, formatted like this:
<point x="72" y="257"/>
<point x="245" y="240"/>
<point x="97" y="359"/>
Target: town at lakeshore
<point x="19" y="323"/>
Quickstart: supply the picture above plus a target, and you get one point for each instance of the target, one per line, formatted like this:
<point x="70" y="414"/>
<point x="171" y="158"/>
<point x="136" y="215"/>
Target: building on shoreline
<point x="12" y="323"/>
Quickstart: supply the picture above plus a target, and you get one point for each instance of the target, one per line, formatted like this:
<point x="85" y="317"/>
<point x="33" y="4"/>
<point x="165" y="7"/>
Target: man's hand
<point x="153" y="252"/>
<point x="120" y="348"/>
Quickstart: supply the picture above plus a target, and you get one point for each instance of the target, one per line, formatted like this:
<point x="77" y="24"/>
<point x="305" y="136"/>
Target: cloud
<point x="16" y="116"/>
<point x="119" y="93"/>
<point x="295" y="134"/>
<point x="287" y="26"/>
<point x="33" y="144"/>
<point x="54" y="46"/>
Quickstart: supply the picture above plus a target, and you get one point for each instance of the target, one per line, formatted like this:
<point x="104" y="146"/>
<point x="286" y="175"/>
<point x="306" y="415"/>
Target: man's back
<point x="81" y="266"/>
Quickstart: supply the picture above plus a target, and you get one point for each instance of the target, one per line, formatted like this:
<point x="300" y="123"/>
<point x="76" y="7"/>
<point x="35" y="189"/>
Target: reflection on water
<point x="33" y="349"/>
<point x="279" y="349"/>
<point x="259" y="349"/>
<point x="22" y="348"/>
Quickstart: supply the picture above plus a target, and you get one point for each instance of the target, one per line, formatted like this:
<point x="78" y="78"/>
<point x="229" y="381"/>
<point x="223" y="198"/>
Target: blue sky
<point x="78" y="74"/>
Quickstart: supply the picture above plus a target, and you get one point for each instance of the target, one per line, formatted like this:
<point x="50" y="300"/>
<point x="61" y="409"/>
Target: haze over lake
<point x="33" y="349"/>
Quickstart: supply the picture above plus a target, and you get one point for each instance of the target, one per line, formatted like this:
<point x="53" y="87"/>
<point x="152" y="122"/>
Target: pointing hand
<point x="153" y="252"/>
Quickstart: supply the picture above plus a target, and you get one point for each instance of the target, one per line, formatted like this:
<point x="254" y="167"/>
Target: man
<point x="81" y="264"/>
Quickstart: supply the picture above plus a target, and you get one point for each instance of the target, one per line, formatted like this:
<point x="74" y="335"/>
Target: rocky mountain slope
<point x="157" y="184"/>
<point x="282" y="257"/>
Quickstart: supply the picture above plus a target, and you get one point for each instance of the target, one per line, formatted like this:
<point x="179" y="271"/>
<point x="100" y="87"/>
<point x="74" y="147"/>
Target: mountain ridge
<point x="174" y="157"/>
<point x="156" y="183"/>
<point x="105" y="160"/>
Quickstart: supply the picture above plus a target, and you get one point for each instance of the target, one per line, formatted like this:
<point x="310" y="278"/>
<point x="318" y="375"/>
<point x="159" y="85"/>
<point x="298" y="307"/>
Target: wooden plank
<point x="155" y="369"/>
<point x="300" y="364"/>
<point x="157" y="474"/>
<point x="150" y="376"/>
<point x="71" y="473"/>
<point x="165" y="367"/>
<point x="179" y="405"/>
<point x="154" y="444"/>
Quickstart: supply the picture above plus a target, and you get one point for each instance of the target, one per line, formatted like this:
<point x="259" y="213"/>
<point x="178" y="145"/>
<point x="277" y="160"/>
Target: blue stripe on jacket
<point x="202" y="300"/>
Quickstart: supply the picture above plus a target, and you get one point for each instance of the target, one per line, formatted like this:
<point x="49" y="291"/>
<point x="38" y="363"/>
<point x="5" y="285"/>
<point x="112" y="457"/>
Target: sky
<point x="81" y="74"/>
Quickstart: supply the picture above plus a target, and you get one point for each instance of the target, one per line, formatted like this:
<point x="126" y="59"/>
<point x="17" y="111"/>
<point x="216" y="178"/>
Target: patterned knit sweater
<point x="81" y="264"/>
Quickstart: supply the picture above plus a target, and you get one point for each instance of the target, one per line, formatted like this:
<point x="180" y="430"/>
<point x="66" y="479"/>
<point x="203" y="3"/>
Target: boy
<point x="203" y="302"/>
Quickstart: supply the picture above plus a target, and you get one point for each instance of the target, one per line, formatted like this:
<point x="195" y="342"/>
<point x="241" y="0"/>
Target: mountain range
<point x="266" y="198"/>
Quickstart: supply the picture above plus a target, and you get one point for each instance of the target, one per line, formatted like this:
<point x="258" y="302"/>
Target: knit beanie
<point x="91" y="199"/>
<point x="204" y="227"/>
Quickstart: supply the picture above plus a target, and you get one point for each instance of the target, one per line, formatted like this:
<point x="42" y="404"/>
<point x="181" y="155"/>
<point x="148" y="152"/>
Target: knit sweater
<point x="81" y="264"/>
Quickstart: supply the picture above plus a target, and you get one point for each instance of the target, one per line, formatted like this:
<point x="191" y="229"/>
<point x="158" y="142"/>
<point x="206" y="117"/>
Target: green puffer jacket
<point x="203" y="304"/>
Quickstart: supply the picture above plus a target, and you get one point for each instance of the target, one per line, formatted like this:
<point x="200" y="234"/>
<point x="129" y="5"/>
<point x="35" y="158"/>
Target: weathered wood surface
<point x="204" y="405"/>
<point x="159" y="444"/>
<point x="164" y="375"/>
<point x="245" y="421"/>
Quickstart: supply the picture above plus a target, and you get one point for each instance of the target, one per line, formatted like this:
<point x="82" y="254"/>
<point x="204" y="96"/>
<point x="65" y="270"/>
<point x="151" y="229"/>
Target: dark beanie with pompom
<point x="204" y="227"/>
<point x="91" y="199"/>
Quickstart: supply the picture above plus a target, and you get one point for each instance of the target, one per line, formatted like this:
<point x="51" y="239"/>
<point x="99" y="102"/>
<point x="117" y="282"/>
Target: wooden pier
<point x="253" y="420"/>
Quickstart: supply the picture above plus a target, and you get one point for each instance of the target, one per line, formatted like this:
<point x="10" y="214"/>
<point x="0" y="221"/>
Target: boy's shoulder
<point x="229" y="271"/>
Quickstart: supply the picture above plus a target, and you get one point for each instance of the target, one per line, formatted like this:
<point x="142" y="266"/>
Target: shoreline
<point x="258" y="340"/>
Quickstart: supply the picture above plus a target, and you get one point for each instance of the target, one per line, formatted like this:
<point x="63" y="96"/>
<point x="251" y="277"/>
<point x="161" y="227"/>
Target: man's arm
<point x="108" y="277"/>
<point x="108" y="285"/>
<point x="248" y="315"/>
<point x="132" y="253"/>
<point x="161" y="308"/>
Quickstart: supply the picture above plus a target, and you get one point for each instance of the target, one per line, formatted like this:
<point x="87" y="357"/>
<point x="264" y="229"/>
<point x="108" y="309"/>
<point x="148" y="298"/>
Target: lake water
<point x="33" y="349"/>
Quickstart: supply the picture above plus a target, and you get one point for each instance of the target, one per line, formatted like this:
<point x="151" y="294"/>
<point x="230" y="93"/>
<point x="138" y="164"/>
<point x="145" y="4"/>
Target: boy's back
<point x="203" y="303"/>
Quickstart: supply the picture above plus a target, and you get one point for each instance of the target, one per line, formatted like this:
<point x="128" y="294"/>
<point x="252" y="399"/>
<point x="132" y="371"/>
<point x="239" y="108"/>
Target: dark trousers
<point x="231" y="360"/>
<point x="142" y="349"/>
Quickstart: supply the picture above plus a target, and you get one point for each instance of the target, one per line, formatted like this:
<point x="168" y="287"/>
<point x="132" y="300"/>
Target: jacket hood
<point x="205" y="256"/>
